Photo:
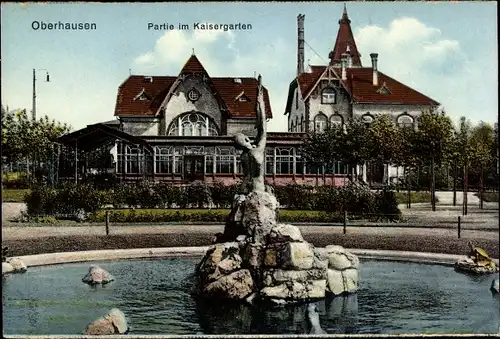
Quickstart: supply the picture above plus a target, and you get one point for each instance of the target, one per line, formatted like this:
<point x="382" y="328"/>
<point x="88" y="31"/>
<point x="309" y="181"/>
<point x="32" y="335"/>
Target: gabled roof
<point x="345" y="42"/>
<point x="227" y="89"/>
<point x="359" y="85"/>
<point x="193" y="65"/>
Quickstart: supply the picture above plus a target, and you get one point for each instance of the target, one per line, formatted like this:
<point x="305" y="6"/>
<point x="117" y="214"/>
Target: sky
<point x="446" y="50"/>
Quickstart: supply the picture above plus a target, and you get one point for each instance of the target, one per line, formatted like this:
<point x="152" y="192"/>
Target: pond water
<point x="393" y="297"/>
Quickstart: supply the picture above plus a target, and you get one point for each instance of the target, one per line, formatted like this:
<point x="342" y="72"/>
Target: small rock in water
<point x="112" y="323"/>
<point x="13" y="265"/>
<point x="97" y="275"/>
<point x="495" y="285"/>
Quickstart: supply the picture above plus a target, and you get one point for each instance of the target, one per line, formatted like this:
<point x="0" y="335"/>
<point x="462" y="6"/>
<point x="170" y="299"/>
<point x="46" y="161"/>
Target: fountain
<point x="258" y="259"/>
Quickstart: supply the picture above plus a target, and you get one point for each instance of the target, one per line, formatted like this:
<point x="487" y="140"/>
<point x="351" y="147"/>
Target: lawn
<point x="416" y="197"/>
<point x="489" y="196"/>
<point x="13" y="195"/>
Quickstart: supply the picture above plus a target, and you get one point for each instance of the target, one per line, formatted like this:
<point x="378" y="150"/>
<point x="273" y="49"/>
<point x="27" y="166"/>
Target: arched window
<point x="367" y="118"/>
<point x="328" y="96"/>
<point x="320" y="122"/>
<point x="336" y="119"/>
<point x="302" y="124"/>
<point x="284" y="161"/>
<point x="292" y="127"/>
<point x="405" y="121"/>
<point x="193" y="125"/>
<point x="296" y="124"/>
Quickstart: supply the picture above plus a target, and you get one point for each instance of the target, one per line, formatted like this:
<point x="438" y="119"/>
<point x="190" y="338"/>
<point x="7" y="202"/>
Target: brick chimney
<point x="374" y="57"/>
<point x="343" y="65"/>
<point x="300" y="44"/>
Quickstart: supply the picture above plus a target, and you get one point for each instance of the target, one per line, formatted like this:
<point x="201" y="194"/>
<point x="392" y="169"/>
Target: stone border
<point x="165" y="252"/>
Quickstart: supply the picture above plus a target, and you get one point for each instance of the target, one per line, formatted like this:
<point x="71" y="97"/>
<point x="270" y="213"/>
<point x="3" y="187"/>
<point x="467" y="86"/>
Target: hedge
<point x="85" y="198"/>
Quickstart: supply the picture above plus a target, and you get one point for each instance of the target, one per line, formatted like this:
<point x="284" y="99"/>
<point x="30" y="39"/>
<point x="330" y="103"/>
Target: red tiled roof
<point x="345" y="38"/>
<point x="128" y="90"/>
<point x="158" y="89"/>
<point x="193" y="65"/>
<point x="359" y="85"/>
<point x="308" y="80"/>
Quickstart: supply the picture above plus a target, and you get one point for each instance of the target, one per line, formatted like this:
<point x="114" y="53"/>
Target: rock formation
<point x="97" y="275"/>
<point x="13" y="265"/>
<point x="258" y="259"/>
<point x="112" y="323"/>
<point x="478" y="262"/>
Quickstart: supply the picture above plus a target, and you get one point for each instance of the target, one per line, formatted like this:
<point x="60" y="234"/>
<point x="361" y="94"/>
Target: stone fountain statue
<point x="258" y="259"/>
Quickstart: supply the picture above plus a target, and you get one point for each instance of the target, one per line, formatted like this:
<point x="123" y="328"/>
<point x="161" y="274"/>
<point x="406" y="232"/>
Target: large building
<point x="343" y="89"/>
<point x="180" y="128"/>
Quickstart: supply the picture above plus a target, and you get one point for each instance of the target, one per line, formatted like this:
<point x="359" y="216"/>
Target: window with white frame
<point x="328" y="96"/>
<point x="224" y="159"/>
<point x="320" y="123"/>
<point x="405" y="121"/>
<point x="193" y="125"/>
<point x="336" y="119"/>
<point x="270" y="160"/>
<point x="284" y="161"/>
<point x="133" y="160"/>
<point x="164" y="159"/>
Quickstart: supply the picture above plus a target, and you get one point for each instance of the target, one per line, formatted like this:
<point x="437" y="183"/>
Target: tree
<point x="348" y="143"/>
<point x="433" y="137"/>
<point x="384" y="142"/>
<point x="408" y="154"/>
<point x="25" y="138"/>
<point x="482" y="145"/>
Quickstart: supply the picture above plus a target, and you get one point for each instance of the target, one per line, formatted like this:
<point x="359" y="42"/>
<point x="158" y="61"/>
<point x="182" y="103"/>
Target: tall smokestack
<point x="300" y="44"/>
<point x="343" y="65"/>
<point x="374" y="57"/>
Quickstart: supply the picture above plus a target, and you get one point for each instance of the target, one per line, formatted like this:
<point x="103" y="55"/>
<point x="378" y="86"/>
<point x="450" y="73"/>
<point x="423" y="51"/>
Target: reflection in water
<point x="155" y="296"/>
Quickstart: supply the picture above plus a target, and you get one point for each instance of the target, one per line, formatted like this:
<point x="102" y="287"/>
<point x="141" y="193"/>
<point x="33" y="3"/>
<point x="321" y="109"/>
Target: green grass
<point x="201" y="215"/>
<point x="13" y="195"/>
<point x="416" y="197"/>
<point x="489" y="196"/>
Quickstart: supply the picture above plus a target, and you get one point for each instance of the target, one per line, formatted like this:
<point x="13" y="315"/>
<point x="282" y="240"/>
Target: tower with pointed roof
<point x="345" y="43"/>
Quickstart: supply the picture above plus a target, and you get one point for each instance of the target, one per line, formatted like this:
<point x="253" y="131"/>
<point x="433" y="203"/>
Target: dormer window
<point x="242" y="97"/>
<point x="142" y="96"/>
<point x="328" y="96"/>
<point x="193" y="95"/>
<point x="384" y="89"/>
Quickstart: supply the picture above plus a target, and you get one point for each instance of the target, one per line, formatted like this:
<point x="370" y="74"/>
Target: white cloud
<point x="420" y="56"/>
<point x="174" y="47"/>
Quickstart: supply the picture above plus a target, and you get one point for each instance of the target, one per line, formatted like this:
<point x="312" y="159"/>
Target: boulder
<point x="469" y="265"/>
<point x="285" y="233"/>
<point x="340" y="259"/>
<point x="296" y="291"/>
<point x="345" y="281"/>
<point x="112" y="323"/>
<point x="260" y="215"/>
<point x="215" y="254"/>
<point x="7" y="268"/>
<point x="272" y="277"/>
<point x="97" y="275"/>
<point x="14" y="265"/>
<point x="253" y="256"/>
<point x="237" y="285"/>
<point x="298" y="255"/>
